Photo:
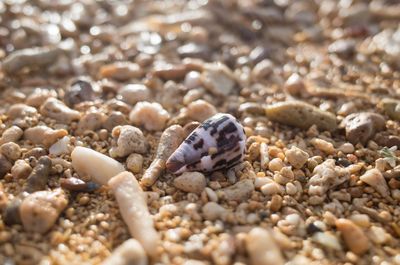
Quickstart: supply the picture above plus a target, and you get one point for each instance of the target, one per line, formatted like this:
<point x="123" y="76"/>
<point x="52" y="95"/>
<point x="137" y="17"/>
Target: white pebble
<point x="60" y="147"/>
<point x="193" y="182"/>
<point x="128" y="253"/>
<point x="375" y="179"/>
<point x="213" y="211"/>
<point x="134" y="93"/>
<point x="152" y="116"/>
<point x="130" y="140"/>
<point x="262" y="248"/>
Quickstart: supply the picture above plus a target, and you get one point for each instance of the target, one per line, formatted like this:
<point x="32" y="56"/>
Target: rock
<point x="37" y="180"/>
<point x="302" y="115"/>
<point x="21" y="169"/>
<point x="295" y="86"/>
<point x="200" y="110"/>
<point x="11" y="150"/>
<point x="40" y="210"/>
<point x="5" y="166"/>
<point x="44" y="135"/>
<point x="20" y="111"/>
<point x="60" y="147"/>
<point x="391" y="107"/>
<point x="194" y="50"/>
<point x="55" y="109"/>
<point x="327" y="240"/>
<point x="323" y="145"/>
<point x="121" y="71"/>
<point x="35" y="152"/>
<point x="353" y="236"/>
<point x="39" y="96"/>
<point x="374" y="178"/>
<point x="11" y="214"/>
<point x="362" y="126"/>
<point x="325" y="177"/>
<point x="262" y="248"/>
<point x="87" y="162"/>
<point x="134" y="93"/>
<point x="192" y="80"/>
<point x="114" y="119"/>
<point x="252" y="108"/>
<point x="12" y="134"/>
<point x="133" y="207"/>
<point x="78" y="185"/>
<point x="344" y="48"/>
<point x="130" y="140"/>
<point x="91" y="121"/>
<point x="262" y="70"/>
<point x="152" y="116"/>
<point x="80" y="90"/>
<point x="128" y="253"/>
<point x="3" y="198"/>
<point x="218" y="79"/>
<point x="134" y="163"/>
<point x="213" y="211"/>
<point x="240" y="191"/>
<point x="193" y="182"/>
<point x="168" y="71"/>
<point x="296" y="157"/>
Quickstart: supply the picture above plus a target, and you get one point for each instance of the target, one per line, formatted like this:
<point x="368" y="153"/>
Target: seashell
<point x="217" y="143"/>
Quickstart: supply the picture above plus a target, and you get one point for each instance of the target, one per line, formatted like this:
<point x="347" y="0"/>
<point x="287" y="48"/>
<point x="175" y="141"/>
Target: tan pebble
<point x="130" y="139"/>
<point x="360" y="220"/>
<point x="276" y="203"/>
<point x="291" y="189"/>
<point x="194" y="182"/>
<point x="270" y="188"/>
<point x="212" y="196"/>
<point x="240" y="191"/>
<point x="11" y="150"/>
<point x="218" y="79"/>
<point x="353" y="236"/>
<point x="213" y="211"/>
<point x="328" y="240"/>
<point x="262" y="248"/>
<point x="114" y="119"/>
<point x="276" y="164"/>
<point x="55" y="109"/>
<point x="262" y="69"/>
<point x="40" y="210"/>
<point x="295" y="86"/>
<point x="379" y="235"/>
<point x="133" y="93"/>
<point x="346" y="148"/>
<point x="44" y="135"/>
<point x="296" y="157"/>
<point x="121" y="71"/>
<point x="5" y="166"/>
<point x="91" y="121"/>
<point x="84" y="200"/>
<point x="21" y="169"/>
<point x="134" y="163"/>
<point x="39" y="96"/>
<point x="128" y="253"/>
<point x="200" y="110"/>
<point x="323" y="145"/>
<point x="374" y="178"/>
<point x="261" y="181"/>
<point x="152" y="116"/>
<point x="12" y="134"/>
<point x="20" y="111"/>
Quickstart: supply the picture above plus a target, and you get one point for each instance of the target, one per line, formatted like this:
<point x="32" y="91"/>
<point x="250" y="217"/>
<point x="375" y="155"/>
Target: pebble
<point x="5" y="166"/>
<point x="390" y="107"/>
<point x="375" y="179"/>
<point x="133" y="93"/>
<point x="360" y="220"/>
<point x="11" y="150"/>
<point x="213" y="211"/>
<point x="133" y="208"/>
<point x="302" y="115"/>
<point x="276" y="164"/>
<point x="262" y="248"/>
<point x="276" y="203"/>
<point x="3" y="199"/>
<point x="323" y="145"/>
<point x="87" y="162"/>
<point x="55" y="109"/>
<point x="39" y="96"/>
<point x="152" y="116"/>
<point x="38" y="178"/>
<point x="218" y="79"/>
<point x="295" y="86"/>
<point x="346" y="148"/>
<point x="378" y="235"/>
<point x="200" y="110"/>
<point x="212" y="196"/>
<point x="327" y="240"/>
<point x="296" y="157"/>
<point x="121" y="71"/>
<point x="239" y="191"/>
<point x="78" y="185"/>
<point x="353" y="236"/>
<point x="40" y="210"/>
<point x="21" y="169"/>
<point x="134" y="163"/>
<point x="129" y="140"/>
<point x="342" y="48"/>
<point x="262" y="69"/>
<point x="362" y="126"/>
<point x="114" y="119"/>
<point x="252" y="108"/>
<point x="20" y="111"/>
<point x="60" y="147"/>
<point x="12" y="134"/>
<point x="129" y="252"/>
<point x="91" y="121"/>
<point x="193" y="182"/>
<point x="192" y="80"/>
<point x="270" y="189"/>
<point x="44" y="135"/>
<point x="35" y="152"/>
<point x="170" y="140"/>
<point x="11" y="214"/>
<point x="80" y="90"/>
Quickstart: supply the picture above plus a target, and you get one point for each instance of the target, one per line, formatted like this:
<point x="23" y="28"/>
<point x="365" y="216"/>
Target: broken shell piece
<point x="130" y="140"/>
<point x="218" y="143"/>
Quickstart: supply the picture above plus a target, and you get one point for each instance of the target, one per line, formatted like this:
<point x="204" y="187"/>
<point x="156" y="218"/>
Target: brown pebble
<point x="37" y="180"/>
<point x="276" y="203"/>
<point x="353" y="236"/>
<point x="5" y="166"/>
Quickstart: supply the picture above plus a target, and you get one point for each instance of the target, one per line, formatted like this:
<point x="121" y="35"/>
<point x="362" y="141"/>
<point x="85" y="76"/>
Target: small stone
<point x="38" y="178"/>
<point x="11" y="150"/>
<point x="360" y="220"/>
<point x="390" y="107"/>
<point x="121" y="71"/>
<point x="262" y="69"/>
<point x="296" y="157"/>
<point x="80" y="90"/>
<point x="239" y="192"/>
<point x="130" y="140"/>
<point x="343" y="48"/>
<point x="134" y="93"/>
<point x="91" y="121"/>
<point x="12" y="134"/>
<point x="44" y="135"/>
<point x="39" y="96"/>
<point x="323" y="145"/>
<point x="60" y="147"/>
<point x="11" y="214"/>
<point x="276" y="164"/>
<point x="276" y="203"/>
<point x="353" y="236"/>
<point x="55" y="109"/>
<point x="130" y="252"/>
<point x="3" y="199"/>
<point x="346" y="148"/>
<point x="262" y="248"/>
<point x="21" y="169"/>
<point x="40" y="210"/>
<point x="20" y="111"/>
<point x="5" y="166"/>
<point x="75" y="184"/>
<point x="152" y="116"/>
<point x="295" y="86"/>
<point x="362" y="126"/>
<point x="302" y="115"/>
<point x="35" y="152"/>
<point x="374" y="178"/>
<point x="378" y="235"/>
<point x="327" y="239"/>
<point x="213" y="211"/>
<point x="134" y="163"/>
<point x="192" y="80"/>
<point x="193" y="182"/>
<point x="113" y="120"/>
<point x="270" y="189"/>
<point x="200" y="110"/>
<point x="218" y="79"/>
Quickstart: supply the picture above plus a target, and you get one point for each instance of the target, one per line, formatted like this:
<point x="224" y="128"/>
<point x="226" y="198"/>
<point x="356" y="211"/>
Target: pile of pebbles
<point x="96" y="95"/>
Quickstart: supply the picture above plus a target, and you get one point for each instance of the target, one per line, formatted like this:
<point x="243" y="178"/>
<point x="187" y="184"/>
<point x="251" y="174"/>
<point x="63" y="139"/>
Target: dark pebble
<point x="312" y="228"/>
<point x="79" y="91"/>
<point x="343" y="162"/>
<point x="37" y="180"/>
<point x="11" y="213"/>
<point x="78" y="185"/>
<point x="5" y="166"/>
